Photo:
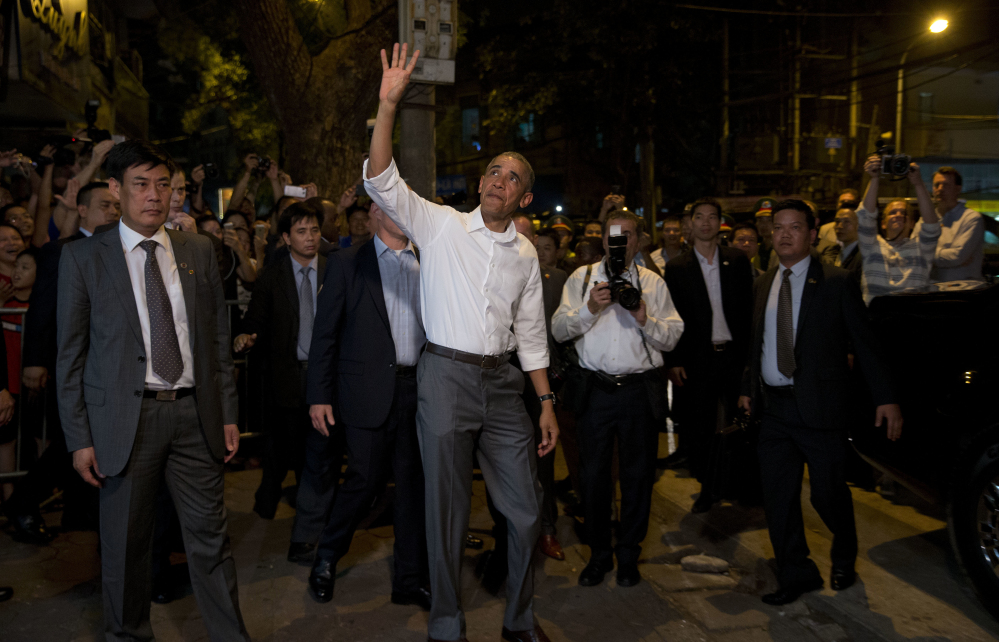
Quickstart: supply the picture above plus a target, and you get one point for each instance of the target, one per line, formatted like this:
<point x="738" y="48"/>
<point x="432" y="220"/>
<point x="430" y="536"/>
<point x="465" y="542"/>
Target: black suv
<point x="949" y="450"/>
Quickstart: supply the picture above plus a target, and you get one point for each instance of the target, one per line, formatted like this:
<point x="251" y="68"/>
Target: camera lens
<point x="900" y="166"/>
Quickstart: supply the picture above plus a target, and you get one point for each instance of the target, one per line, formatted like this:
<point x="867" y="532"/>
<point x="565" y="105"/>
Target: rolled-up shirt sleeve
<point x="573" y="316"/>
<point x="663" y="326"/>
<point x="420" y="219"/>
<point x="529" y="325"/>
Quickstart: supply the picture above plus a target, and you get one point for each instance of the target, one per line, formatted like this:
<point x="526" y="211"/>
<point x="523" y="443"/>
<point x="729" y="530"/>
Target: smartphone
<point x="229" y="226"/>
<point x="260" y="229"/>
<point x="294" y="191"/>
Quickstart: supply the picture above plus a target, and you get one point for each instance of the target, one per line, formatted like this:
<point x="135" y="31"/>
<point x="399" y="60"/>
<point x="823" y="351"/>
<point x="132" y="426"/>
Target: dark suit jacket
<point x="40" y="319"/>
<point x="832" y="321"/>
<point x="690" y="296"/>
<point x="854" y="264"/>
<point x="352" y="360"/>
<point x="101" y="365"/>
<point x="273" y="317"/>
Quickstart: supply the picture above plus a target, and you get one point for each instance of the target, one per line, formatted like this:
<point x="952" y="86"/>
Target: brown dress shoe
<point x="531" y="635"/>
<point x="549" y="546"/>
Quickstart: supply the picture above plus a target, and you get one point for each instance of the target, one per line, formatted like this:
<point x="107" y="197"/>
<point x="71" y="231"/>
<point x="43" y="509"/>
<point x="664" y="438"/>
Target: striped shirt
<point x="891" y="267"/>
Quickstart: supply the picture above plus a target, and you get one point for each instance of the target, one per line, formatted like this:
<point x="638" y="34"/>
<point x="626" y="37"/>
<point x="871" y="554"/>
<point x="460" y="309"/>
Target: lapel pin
<point x="183" y="265"/>
<point x="190" y="271"/>
<point x="724" y="262"/>
<point x="812" y="281"/>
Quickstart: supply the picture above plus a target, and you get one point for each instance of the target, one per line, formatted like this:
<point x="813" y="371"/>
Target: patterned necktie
<point x="305" y="311"/>
<point x="785" y="328"/>
<point x="167" y="362"/>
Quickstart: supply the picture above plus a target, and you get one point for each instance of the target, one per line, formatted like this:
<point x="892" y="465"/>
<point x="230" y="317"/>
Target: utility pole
<point x="418" y="140"/>
<point x="723" y="155"/>
<point x="796" y="105"/>
<point x="854" y="97"/>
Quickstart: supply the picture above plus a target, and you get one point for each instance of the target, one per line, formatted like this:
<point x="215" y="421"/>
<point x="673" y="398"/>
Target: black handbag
<point x="733" y="467"/>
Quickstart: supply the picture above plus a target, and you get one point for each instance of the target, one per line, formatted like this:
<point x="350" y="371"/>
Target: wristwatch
<point x="544" y="398"/>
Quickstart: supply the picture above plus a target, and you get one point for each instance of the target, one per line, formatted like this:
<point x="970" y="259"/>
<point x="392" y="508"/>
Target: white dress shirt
<point x="135" y="257"/>
<point x="611" y="341"/>
<point x="799" y="272"/>
<point x="86" y="233"/>
<point x="475" y="284"/>
<point x="296" y="268"/>
<point x="400" y="274"/>
<point x="712" y="279"/>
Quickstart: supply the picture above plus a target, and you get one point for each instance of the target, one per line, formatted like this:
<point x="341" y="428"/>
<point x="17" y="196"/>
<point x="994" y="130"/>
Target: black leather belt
<point x="167" y="395"/>
<point x="405" y="371"/>
<point x="484" y="361"/>
<point x="721" y="347"/>
<point x="621" y="380"/>
<point x="780" y="391"/>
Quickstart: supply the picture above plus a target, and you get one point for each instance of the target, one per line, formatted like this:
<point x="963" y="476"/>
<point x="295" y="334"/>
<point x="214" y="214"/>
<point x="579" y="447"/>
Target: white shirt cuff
<point x="384" y="181"/>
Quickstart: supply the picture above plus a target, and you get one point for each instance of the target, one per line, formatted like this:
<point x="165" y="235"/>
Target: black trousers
<point x="626" y="414"/>
<point x="786" y="445"/>
<point x="372" y="456"/>
<point x="707" y="398"/>
<point x="285" y="435"/>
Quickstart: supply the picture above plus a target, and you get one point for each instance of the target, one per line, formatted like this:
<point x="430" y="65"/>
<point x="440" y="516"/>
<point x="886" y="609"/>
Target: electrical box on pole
<point x="432" y="27"/>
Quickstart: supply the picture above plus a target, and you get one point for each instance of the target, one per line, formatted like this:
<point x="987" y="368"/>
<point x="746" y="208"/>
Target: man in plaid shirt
<point x="895" y="261"/>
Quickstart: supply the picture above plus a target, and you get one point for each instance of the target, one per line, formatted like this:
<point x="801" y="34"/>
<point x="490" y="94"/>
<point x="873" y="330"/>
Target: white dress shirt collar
<point x="799" y="268"/>
<point x="131" y="238"/>
<point x="296" y="267"/>
<point x="477" y="223"/>
<point x="86" y="233"/>
<point x="704" y="260"/>
<point x="381" y="248"/>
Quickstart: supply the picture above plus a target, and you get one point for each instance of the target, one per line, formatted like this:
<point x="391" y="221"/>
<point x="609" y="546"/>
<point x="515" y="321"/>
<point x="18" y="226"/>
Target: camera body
<point x="211" y="170"/>
<point x="892" y="164"/>
<point x="622" y="291"/>
<point x="90" y="114"/>
<point x="263" y="165"/>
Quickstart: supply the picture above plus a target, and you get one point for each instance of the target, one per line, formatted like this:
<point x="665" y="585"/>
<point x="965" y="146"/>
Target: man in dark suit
<point x="806" y="318"/>
<point x="281" y="316"/>
<point x="146" y="390"/>
<point x="96" y="206"/>
<point x="711" y="287"/>
<point x="845" y="253"/>
<point x="362" y="381"/>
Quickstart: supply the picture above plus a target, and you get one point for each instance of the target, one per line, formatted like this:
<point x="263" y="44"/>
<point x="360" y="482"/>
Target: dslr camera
<point x="93" y="133"/>
<point x="892" y="164"/>
<point x="622" y="291"/>
<point x="263" y="165"/>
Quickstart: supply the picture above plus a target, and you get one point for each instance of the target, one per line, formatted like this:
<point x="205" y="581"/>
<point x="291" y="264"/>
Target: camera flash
<point x="615" y="230"/>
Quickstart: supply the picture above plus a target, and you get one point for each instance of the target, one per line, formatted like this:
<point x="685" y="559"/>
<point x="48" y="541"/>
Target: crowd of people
<point x="422" y="342"/>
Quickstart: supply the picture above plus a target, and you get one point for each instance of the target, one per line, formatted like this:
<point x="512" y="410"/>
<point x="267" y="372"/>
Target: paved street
<point x="908" y="588"/>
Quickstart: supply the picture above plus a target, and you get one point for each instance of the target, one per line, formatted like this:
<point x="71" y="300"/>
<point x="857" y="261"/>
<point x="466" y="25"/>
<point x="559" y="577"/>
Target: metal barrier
<point x="239" y="360"/>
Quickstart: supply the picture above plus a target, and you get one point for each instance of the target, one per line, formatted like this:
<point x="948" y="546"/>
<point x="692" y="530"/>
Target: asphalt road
<point x="909" y="586"/>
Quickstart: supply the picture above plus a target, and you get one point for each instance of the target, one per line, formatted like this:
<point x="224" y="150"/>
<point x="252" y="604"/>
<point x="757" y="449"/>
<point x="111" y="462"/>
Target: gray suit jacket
<point x="101" y="364"/>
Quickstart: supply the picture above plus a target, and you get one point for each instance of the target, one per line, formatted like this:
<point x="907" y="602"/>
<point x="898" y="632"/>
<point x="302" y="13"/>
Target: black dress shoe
<point x="677" y="460"/>
<point x="594" y="572"/>
<point x="30" y="529"/>
<point x="471" y="541"/>
<point x="703" y="504"/>
<point x="321" y="580"/>
<point x="628" y="575"/>
<point x="420" y="597"/>
<point x="6" y="593"/>
<point x="301" y="553"/>
<point x="787" y="595"/>
<point x="164" y="590"/>
<point x="842" y="578"/>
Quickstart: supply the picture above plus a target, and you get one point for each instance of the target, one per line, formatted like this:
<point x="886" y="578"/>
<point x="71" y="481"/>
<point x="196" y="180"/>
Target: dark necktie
<point x="167" y="362"/>
<point x="785" y="328"/>
<point x="305" y="311"/>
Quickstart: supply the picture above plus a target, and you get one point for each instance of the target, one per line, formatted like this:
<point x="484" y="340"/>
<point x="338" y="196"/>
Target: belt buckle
<point x="166" y="395"/>
<point x="720" y="347"/>
<point x="488" y="361"/>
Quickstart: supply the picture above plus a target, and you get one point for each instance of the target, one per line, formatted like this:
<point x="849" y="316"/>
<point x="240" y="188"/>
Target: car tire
<point x="973" y="523"/>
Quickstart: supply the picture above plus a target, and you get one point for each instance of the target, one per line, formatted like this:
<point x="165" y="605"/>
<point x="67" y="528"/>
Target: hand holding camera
<point x="600" y="298"/>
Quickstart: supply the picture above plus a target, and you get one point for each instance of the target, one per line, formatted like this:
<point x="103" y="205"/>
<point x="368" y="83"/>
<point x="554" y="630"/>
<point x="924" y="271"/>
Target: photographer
<point x="961" y="246"/>
<point x="621" y="317"/>
<point x="897" y="260"/>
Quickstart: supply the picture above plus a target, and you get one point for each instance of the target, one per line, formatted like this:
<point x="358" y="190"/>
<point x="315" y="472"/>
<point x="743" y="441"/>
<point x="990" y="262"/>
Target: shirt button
<point x="138" y="393"/>
<point x="391" y="365"/>
<point x="142" y="359"/>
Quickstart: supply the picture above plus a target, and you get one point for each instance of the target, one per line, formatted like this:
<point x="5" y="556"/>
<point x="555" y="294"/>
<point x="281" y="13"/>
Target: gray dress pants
<point x="463" y="407"/>
<point x="169" y="443"/>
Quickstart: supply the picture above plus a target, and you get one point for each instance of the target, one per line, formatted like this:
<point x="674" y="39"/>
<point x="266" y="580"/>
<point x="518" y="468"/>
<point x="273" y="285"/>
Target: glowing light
<point x="938" y="25"/>
<point x="558" y="208"/>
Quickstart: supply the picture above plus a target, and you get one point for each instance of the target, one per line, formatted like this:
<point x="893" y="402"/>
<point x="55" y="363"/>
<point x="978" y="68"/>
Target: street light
<point x="938" y="26"/>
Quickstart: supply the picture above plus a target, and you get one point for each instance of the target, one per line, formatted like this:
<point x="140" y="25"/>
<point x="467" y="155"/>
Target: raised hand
<point x="68" y="198"/>
<point x="395" y="77"/>
<point x="198" y="175"/>
<point x="102" y="149"/>
<point x="8" y="158"/>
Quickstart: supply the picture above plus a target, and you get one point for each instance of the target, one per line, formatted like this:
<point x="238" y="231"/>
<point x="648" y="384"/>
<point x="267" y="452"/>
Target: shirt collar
<point x="86" y="233"/>
<point x="131" y="238"/>
<point x="704" y="261"/>
<point x="798" y="269"/>
<point x="381" y="248"/>
<point x="845" y="252"/>
<point x="476" y="223"/>
<point x="297" y="267"/>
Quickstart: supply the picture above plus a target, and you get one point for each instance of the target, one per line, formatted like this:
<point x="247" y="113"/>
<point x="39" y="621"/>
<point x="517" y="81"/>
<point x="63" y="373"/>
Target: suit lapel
<point x="697" y="282"/>
<point x="368" y="264"/>
<point x="288" y="284"/>
<point x="320" y="272"/>
<point x="184" y="258"/>
<point x="113" y="257"/>
<point x="759" y="313"/>
<point x="812" y="281"/>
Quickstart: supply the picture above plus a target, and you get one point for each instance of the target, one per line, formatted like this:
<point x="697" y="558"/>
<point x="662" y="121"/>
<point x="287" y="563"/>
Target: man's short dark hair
<point x="597" y="245"/>
<point x="204" y="219"/>
<point x="852" y="192"/>
<point x="517" y="157"/>
<point x="86" y="193"/>
<point x="549" y="233"/>
<point x="706" y="201"/>
<point x="298" y="212"/>
<point x="593" y="221"/>
<point x="136" y="153"/>
<point x="798" y="206"/>
<point x="31" y="251"/>
<point x="947" y="170"/>
<point x="4" y="224"/>
<point x="673" y="218"/>
<point x="746" y="225"/>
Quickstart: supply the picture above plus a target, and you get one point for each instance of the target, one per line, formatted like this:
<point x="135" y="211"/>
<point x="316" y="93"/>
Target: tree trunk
<point x="322" y="102"/>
